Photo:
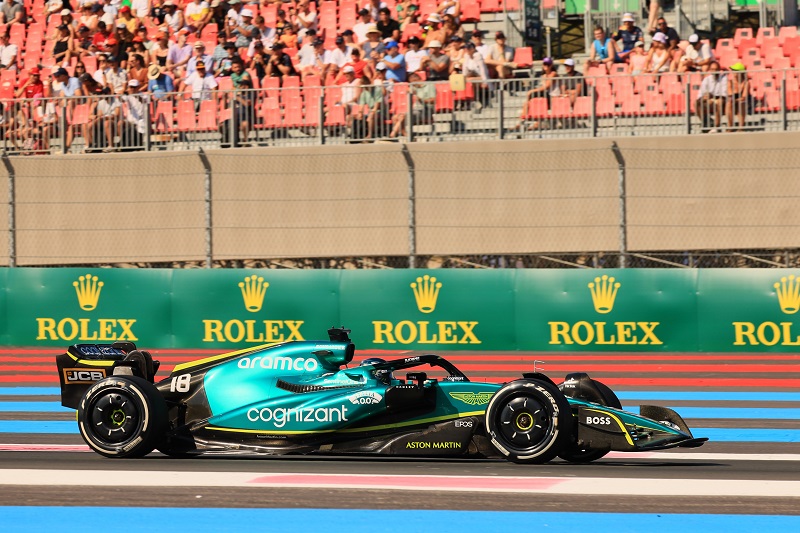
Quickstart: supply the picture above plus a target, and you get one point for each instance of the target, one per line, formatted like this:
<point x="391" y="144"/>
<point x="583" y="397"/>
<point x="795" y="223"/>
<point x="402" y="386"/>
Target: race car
<point x="302" y="397"/>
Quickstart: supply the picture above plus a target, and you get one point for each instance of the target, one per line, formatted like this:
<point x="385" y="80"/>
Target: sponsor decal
<point x="301" y="415"/>
<point x="571" y="383"/>
<point x="87" y="290"/>
<point x="92" y="350"/>
<point x="81" y="375"/>
<point x="411" y="359"/>
<point x="328" y="347"/>
<point x="466" y="423"/>
<point x="273" y="362"/>
<point x="604" y="290"/>
<point x="598" y="420"/>
<point x="252" y="331"/>
<point x="253" y="290"/>
<point x="426" y="291"/>
<point x="365" y="398"/>
<point x="771" y="333"/>
<point x="425" y="445"/>
<point x="472" y="398"/>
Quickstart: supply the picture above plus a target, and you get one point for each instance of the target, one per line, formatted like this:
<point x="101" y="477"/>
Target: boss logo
<point x="598" y="420"/>
<point x="76" y="375"/>
<point x="463" y="423"/>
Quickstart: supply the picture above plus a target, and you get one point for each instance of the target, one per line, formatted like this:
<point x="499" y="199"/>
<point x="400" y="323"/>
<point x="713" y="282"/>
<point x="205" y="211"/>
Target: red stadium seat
<point x="80" y="115"/>
<point x="270" y="113"/>
<point x="560" y="107"/>
<point x="583" y="107"/>
<point x="335" y="116"/>
<point x="537" y="109"/>
<point x="523" y="56"/>
<point x="741" y="34"/>
<point x="470" y="11"/>
<point x="605" y="106"/>
<point x="786" y="32"/>
<point x="207" y="116"/>
<point x="765" y="33"/>
<point x="399" y="99"/>
<point x="187" y="120"/>
<point x="653" y="104"/>
<point x="444" y="98"/>
<point x="676" y="104"/>
<point x="163" y="118"/>
<point x="294" y="112"/>
<point x="631" y="106"/>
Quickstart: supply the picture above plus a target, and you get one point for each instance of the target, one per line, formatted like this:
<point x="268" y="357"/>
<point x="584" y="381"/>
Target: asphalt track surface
<point x="727" y="477"/>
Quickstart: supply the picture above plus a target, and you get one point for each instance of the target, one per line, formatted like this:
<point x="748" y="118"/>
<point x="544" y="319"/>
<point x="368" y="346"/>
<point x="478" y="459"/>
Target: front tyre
<point x="122" y="416"/>
<point x="528" y="421"/>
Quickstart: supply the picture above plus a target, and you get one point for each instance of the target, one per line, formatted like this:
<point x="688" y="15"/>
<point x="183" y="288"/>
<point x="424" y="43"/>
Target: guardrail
<point x="603" y="106"/>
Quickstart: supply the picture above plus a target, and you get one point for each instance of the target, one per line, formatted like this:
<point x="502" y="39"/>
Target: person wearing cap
<point x="200" y="56"/>
<point x="548" y="87"/>
<point x="711" y="98"/>
<point x="696" y="56"/>
<point x="363" y="25"/>
<point x="33" y="86"/>
<point x="373" y="48"/>
<point x="437" y="63"/>
<point x="312" y="61"/>
<point x="173" y="17"/>
<point x="281" y="22"/>
<point x="658" y="58"/>
<point x="158" y="83"/>
<point x="12" y="12"/>
<point x="481" y="47"/>
<point x="83" y="42"/>
<point x="304" y="19"/>
<point x="414" y="55"/>
<point x="351" y="92"/>
<point x="63" y="85"/>
<point x="389" y="28"/>
<point x="500" y="61"/>
<point x="739" y="99"/>
<point x="433" y="30"/>
<point x="374" y="6"/>
<point x="422" y="112"/>
<point x="637" y="59"/>
<point x="336" y="58"/>
<point x="603" y="50"/>
<point x="395" y="63"/>
<point x="126" y="17"/>
<point x="473" y="67"/>
<point x="244" y="31"/>
<point x="201" y="83"/>
<point x="8" y="51"/>
<point x="289" y="36"/>
<point x="116" y="76"/>
<point x="224" y="65"/>
<point x="101" y="36"/>
<point x="572" y="84"/>
<point x="627" y="36"/>
<point x="131" y="123"/>
<point x="672" y="38"/>
<point x="197" y="14"/>
<point x="373" y="102"/>
<point x="64" y="45"/>
<point x="280" y="63"/>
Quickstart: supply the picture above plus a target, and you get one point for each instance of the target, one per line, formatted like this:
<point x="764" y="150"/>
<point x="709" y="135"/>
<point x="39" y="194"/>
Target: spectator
<point x="289" y="37"/>
<point x="33" y="86"/>
<point x="451" y="28"/>
<point x="629" y="34"/>
<point x="361" y="67"/>
<point x="312" y="63"/>
<point x="8" y="51"/>
<point x="712" y="98"/>
<point x="104" y="113"/>
<point x="351" y="92"/>
<point x="374" y="7"/>
<point x="472" y="64"/>
<point x="260" y="59"/>
<point x="219" y="12"/>
<point x="99" y="75"/>
<point x="280" y="64"/>
<point x="500" y="58"/>
<point x="436" y="64"/>
<point x="116" y="77"/>
<point x="245" y="31"/>
<point x="159" y="84"/>
<point x="389" y="28"/>
<point x="88" y="17"/>
<point x="225" y="64"/>
<point x="137" y="70"/>
<point x="63" y="47"/>
<point x="482" y="48"/>
<point x="637" y="60"/>
<point x="548" y="85"/>
<point x="131" y="125"/>
<point x="126" y="17"/>
<point x="363" y="25"/>
<point x="424" y="95"/>
<point x="100" y="38"/>
<point x="739" y="101"/>
<point x="672" y="40"/>
<point x="157" y="14"/>
<point x="12" y="12"/>
<point x="160" y="50"/>
<point x="373" y="47"/>
<point x="696" y="56"/>
<point x="281" y="22"/>
<point x="652" y="18"/>
<point x="305" y="19"/>
<point x="202" y="84"/>
<point x="140" y="8"/>
<point x="572" y="84"/>
<point x="244" y="98"/>
<point x="414" y="55"/>
<point x="83" y="42"/>
<point x="110" y="13"/>
<point x="658" y="58"/>
<point x="433" y="30"/>
<point x="200" y="56"/>
<point x="395" y="63"/>
<point x="349" y="39"/>
<point x="66" y="86"/>
<point x="603" y="50"/>
<point x="373" y="100"/>
<point x="455" y="49"/>
<point x="173" y="17"/>
<point x="138" y="47"/>
<point x="264" y="34"/>
<point x="198" y="13"/>
<point x="336" y="58"/>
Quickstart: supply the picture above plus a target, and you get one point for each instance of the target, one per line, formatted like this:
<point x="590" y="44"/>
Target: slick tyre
<point x="529" y="421"/>
<point x="577" y="454"/>
<point x="122" y="416"/>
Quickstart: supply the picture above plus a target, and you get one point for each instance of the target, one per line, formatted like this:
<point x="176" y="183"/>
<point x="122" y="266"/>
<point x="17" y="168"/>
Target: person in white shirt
<point x="304" y="19"/>
<point x="472" y="64"/>
<point x="337" y="58"/>
<point x="696" y="56"/>
<point x="482" y="48"/>
<point x="140" y="8"/>
<point x="312" y="61"/>
<point x="173" y="17"/>
<point x="374" y="6"/>
<point x="8" y="53"/>
<point x="360" y="27"/>
<point x="414" y="55"/>
<point x="712" y="96"/>
<point x="197" y="14"/>
<point x="202" y="84"/>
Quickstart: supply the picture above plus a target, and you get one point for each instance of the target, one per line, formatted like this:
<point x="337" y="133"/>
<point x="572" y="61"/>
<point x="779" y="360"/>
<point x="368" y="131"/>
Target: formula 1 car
<point x="296" y="398"/>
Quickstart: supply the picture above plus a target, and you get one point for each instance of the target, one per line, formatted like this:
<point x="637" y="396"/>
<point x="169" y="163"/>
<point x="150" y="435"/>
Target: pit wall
<point x="718" y="310"/>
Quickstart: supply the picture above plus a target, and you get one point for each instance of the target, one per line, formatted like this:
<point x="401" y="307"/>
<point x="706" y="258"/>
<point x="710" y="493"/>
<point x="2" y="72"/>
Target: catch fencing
<point x="686" y="201"/>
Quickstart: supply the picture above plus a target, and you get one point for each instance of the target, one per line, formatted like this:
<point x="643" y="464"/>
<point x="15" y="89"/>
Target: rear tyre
<point x="577" y="454"/>
<point x="528" y="421"/>
<point x="122" y="416"/>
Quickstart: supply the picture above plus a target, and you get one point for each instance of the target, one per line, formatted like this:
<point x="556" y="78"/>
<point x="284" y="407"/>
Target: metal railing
<point x="595" y="106"/>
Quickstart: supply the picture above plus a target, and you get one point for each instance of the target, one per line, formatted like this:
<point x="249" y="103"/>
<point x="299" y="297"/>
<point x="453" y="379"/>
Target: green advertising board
<point x="718" y="310"/>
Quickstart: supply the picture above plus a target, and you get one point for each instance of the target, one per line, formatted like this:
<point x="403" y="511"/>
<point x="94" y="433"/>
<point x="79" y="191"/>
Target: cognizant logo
<point x="280" y="415"/>
<point x="279" y="363"/>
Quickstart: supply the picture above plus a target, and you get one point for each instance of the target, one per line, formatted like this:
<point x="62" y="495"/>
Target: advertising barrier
<point x="715" y="310"/>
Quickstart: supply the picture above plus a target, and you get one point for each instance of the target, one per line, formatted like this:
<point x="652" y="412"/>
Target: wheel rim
<point x="524" y="422"/>
<point x="114" y="417"/>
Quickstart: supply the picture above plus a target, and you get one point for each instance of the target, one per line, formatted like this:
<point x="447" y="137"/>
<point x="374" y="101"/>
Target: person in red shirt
<point x="358" y="64"/>
<point x="33" y="86"/>
<point x="99" y="39"/>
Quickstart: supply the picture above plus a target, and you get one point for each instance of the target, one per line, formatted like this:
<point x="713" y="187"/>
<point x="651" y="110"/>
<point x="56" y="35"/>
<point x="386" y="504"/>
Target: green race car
<point x="302" y="398"/>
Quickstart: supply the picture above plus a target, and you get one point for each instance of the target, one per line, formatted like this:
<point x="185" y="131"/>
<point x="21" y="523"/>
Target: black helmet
<point x="382" y="375"/>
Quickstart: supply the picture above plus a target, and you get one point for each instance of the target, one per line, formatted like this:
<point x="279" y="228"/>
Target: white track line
<point x="509" y="484"/>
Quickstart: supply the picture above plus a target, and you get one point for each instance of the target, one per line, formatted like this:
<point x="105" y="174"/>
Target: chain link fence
<point x="721" y="201"/>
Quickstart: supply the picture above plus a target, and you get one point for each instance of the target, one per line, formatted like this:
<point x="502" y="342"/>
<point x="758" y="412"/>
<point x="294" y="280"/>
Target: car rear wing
<point x="84" y="364"/>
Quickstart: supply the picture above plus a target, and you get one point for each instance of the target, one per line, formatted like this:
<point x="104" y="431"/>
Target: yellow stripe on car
<point x="190" y="364"/>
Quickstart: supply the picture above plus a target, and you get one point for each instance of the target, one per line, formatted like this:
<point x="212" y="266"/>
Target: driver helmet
<point x="382" y="375"/>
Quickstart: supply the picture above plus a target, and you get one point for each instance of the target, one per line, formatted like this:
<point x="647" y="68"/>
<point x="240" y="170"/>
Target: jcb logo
<point x="76" y="375"/>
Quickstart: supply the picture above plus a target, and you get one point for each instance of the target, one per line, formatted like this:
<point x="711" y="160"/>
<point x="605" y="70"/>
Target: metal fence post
<point x="147" y="124"/>
<point x="209" y="221"/>
<point x="593" y="100"/>
<point x="412" y="208"/>
<point x="784" y="114"/>
<point x="62" y="126"/>
<point x="501" y="131"/>
<point x="12" y="218"/>
<point x="623" y="222"/>
<point x="321" y="116"/>
<point x="688" y="113"/>
<point x="233" y="127"/>
<point x="410" y="114"/>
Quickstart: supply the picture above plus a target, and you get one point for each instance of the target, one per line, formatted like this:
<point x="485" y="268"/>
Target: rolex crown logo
<point x="788" y="291"/>
<point x="604" y="291"/>
<point x="253" y="290"/>
<point x="88" y="289"/>
<point x="426" y="291"/>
